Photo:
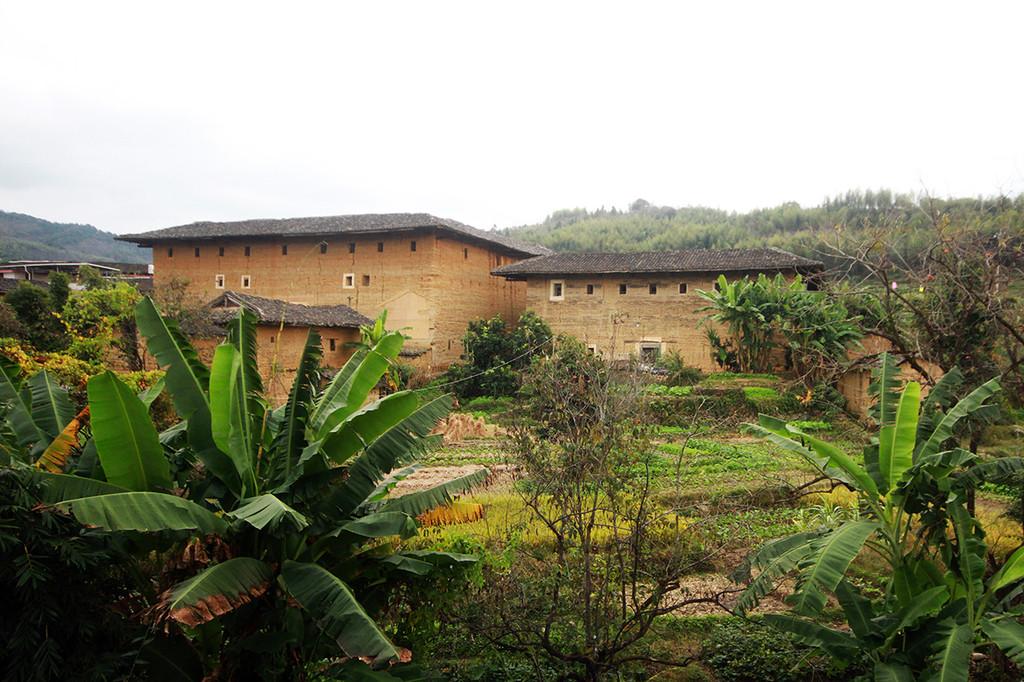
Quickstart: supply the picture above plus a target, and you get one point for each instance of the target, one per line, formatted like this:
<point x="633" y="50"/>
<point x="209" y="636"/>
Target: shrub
<point x="740" y="651"/>
<point x="494" y="355"/>
<point x="59" y="584"/>
<point x="679" y="373"/>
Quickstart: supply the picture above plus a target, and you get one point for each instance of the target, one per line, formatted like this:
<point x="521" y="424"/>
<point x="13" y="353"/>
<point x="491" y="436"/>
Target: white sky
<point x="135" y="116"/>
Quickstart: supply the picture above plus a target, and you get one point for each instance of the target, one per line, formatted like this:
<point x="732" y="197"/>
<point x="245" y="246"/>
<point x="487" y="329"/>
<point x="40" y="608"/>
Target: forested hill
<point x="23" y="237"/>
<point x="645" y="227"/>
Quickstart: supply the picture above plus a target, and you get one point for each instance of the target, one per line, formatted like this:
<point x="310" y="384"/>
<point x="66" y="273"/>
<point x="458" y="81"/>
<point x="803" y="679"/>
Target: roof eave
<point x="149" y="241"/>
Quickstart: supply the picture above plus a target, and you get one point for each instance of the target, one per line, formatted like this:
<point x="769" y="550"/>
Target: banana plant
<point x="299" y="495"/>
<point x="937" y="606"/>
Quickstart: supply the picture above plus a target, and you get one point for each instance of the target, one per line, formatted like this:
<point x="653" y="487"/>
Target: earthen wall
<point x="279" y="350"/>
<point x="656" y="311"/>
<point x="433" y="289"/>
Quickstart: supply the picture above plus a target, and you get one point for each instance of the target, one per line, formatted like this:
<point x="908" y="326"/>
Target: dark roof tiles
<point x="698" y="260"/>
<point x="271" y="311"/>
<point x="328" y="226"/>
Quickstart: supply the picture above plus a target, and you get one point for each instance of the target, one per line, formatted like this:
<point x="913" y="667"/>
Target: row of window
<point x="348" y="281"/>
<point x="333" y="342"/>
<point x="218" y="281"/>
<point x="284" y="249"/>
<point x="558" y="289"/>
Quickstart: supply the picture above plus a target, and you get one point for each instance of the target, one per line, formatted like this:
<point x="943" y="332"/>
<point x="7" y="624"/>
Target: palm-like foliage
<point x="765" y="315"/>
<point x="913" y="489"/>
<point x="299" y="494"/>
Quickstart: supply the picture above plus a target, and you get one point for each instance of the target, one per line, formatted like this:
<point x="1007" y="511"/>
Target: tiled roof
<point x="328" y="226"/>
<point x="8" y="285"/>
<point x="698" y="260"/>
<point x="271" y="310"/>
<point x="143" y="284"/>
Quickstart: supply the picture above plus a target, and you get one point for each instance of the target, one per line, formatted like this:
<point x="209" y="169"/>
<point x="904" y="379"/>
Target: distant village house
<point x="281" y="332"/>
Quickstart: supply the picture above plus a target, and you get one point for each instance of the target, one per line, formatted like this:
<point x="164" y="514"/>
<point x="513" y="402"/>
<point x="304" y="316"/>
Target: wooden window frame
<point x="559" y="286"/>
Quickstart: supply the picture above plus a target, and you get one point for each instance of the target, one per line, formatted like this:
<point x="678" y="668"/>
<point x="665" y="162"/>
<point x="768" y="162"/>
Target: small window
<point x="272" y="339"/>
<point x="196" y="252"/>
<point x="218" y="281"/>
<point x="682" y="287"/>
<point x="220" y="251"/>
<point x="380" y="247"/>
<point x="366" y="280"/>
<point x="590" y="289"/>
<point x="649" y="353"/>
<point x="323" y="247"/>
<point x="653" y="289"/>
<point x="412" y="245"/>
<point x="247" y="251"/>
<point x="284" y="249"/>
<point x="351" y="247"/>
<point x="592" y="349"/>
<point x="465" y="253"/>
<point x="348" y="281"/>
<point x="557" y="290"/>
<point x="331" y="342"/>
<point x="718" y="287"/>
<point x="170" y="253"/>
<point x="245" y="281"/>
<point x="622" y="289"/>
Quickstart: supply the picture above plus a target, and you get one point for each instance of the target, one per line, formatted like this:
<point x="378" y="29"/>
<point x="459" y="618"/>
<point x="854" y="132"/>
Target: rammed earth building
<point x="640" y="304"/>
<point x="431" y="274"/>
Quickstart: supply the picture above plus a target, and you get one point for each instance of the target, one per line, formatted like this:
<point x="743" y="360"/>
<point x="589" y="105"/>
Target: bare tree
<point x="616" y="556"/>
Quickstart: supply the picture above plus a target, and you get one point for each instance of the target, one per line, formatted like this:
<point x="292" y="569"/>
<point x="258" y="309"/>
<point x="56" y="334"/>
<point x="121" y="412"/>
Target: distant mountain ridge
<point x="25" y="237"/>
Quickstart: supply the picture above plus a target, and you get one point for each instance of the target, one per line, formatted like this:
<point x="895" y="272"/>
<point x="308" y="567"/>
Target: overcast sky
<point x="136" y="116"/>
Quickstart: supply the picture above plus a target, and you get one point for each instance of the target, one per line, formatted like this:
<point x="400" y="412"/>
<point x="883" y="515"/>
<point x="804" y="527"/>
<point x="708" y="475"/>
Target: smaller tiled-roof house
<point x="281" y="330"/>
<point x="431" y="274"/>
<point x="642" y="304"/>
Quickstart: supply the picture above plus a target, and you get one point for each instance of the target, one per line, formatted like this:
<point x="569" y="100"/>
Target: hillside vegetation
<point x="646" y="227"/>
<point x="24" y="237"/>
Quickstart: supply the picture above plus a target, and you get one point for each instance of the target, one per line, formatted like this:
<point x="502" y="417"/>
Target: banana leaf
<point x="826" y="564"/>
<point x="126" y="440"/>
<point x="283" y="456"/>
<point x="267" y="511"/>
<point x="400" y="444"/>
<point x="217" y="590"/>
<point x="145" y="512"/>
<point x="337" y="612"/>
<point x="366" y="425"/>
<point x="416" y="503"/>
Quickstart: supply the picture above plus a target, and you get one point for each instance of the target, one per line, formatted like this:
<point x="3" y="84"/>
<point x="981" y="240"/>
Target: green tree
<point x="936" y="606"/>
<point x="91" y="279"/>
<point x="60" y="289"/>
<point x="32" y="306"/>
<point x="103" y="319"/>
<point x="494" y="355"/>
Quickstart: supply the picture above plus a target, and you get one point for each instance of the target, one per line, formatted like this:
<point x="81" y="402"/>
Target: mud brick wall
<point x="656" y="311"/>
<point x="434" y="288"/>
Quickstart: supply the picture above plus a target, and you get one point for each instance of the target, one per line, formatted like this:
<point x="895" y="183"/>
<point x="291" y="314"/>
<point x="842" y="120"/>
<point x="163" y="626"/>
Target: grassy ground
<point x="735" y="491"/>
